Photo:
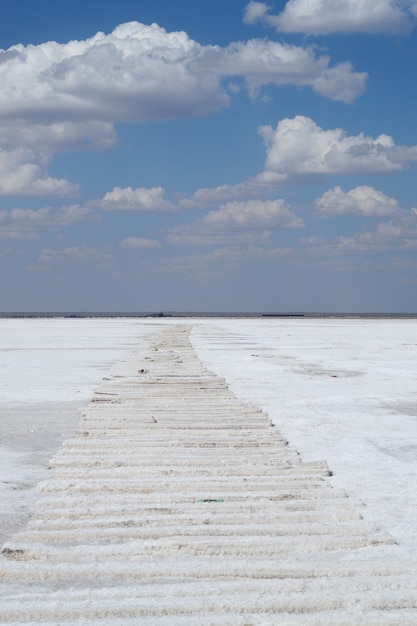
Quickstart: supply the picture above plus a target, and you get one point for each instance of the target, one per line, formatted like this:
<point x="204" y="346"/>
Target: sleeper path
<point x="175" y="504"/>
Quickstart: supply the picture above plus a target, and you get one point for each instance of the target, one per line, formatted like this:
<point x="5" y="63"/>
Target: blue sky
<point x="208" y="156"/>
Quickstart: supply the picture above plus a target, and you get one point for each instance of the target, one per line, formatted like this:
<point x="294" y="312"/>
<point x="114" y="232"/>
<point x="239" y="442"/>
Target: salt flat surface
<point x="343" y="390"/>
<point x="174" y="503"/>
<point x="48" y="370"/>
<point x="339" y="390"/>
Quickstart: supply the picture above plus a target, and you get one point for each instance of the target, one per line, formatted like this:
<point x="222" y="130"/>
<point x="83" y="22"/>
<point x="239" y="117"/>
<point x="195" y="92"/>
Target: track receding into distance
<point x="175" y="504"/>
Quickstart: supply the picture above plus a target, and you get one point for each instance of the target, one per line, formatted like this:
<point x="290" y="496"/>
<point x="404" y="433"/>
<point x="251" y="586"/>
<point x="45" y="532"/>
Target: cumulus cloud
<point x="363" y="200"/>
<point x="396" y="234"/>
<point x="237" y="223"/>
<point x="136" y="243"/>
<point x="65" y="216"/>
<point x="254" y="214"/>
<point x="222" y="193"/>
<point x="141" y="199"/>
<point x="72" y="214"/>
<point x="58" y="136"/>
<point x="23" y="172"/>
<point x="254" y="12"/>
<point x="321" y="17"/>
<point x="367" y="242"/>
<point x="60" y="97"/>
<point x="140" y="73"/>
<point x="298" y="147"/>
<point x="298" y="150"/>
<point x="21" y="223"/>
<point x="263" y="62"/>
<point x="135" y="73"/>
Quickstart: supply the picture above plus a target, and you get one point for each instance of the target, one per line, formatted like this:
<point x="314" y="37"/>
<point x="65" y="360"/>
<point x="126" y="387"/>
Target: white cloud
<point x="65" y="216"/>
<point x="222" y="193"/>
<point x="60" y="97"/>
<point x="320" y="17"/>
<point x="22" y="172"/>
<point x="254" y="214"/>
<point x="254" y="12"/>
<point x="135" y="73"/>
<point x="367" y="242"/>
<point x="58" y="136"/>
<point x="298" y="150"/>
<point x="26" y="223"/>
<point x="396" y="234"/>
<point x="237" y="223"/>
<point x="363" y="200"/>
<point x="29" y="216"/>
<point x="299" y="147"/>
<point x="139" y="73"/>
<point x="141" y="199"/>
<point x="82" y="253"/>
<point x="136" y="243"/>
<point x="389" y="230"/>
<point x="72" y="214"/>
<point x="263" y="62"/>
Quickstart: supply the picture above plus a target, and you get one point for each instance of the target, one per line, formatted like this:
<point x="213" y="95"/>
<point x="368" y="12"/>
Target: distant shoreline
<point x="200" y="314"/>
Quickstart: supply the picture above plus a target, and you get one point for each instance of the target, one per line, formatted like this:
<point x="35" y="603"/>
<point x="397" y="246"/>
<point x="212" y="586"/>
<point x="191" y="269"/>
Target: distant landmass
<point x="182" y="314"/>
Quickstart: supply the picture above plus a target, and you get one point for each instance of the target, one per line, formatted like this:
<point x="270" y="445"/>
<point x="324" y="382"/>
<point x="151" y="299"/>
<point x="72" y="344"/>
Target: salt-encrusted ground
<point x="340" y="390"/>
<point x="48" y="370"/>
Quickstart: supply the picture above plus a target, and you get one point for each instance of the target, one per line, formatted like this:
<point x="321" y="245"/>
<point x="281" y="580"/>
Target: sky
<point x="226" y="156"/>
